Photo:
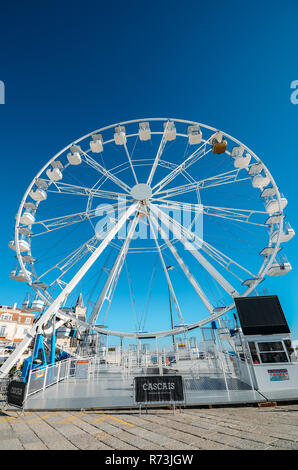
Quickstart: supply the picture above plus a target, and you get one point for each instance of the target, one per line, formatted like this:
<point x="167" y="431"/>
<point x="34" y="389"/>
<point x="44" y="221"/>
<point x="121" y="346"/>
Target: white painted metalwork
<point x="114" y="273"/>
<point x="184" y="268"/>
<point x="116" y="183"/>
<point x="200" y="258"/>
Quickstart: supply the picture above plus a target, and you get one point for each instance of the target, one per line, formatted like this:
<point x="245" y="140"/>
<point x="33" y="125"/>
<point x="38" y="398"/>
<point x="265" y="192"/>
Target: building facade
<point x="14" y="324"/>
<point x="67" y="338"/>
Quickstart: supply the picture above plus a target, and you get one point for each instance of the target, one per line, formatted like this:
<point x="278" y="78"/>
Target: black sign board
<point x="159" y="388"/>
<point x="261" y="315"/>
<point x="16" y="393"/>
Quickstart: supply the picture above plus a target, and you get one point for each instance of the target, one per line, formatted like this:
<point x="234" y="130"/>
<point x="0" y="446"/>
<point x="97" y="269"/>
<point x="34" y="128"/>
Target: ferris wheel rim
<point x="195" y="324"/>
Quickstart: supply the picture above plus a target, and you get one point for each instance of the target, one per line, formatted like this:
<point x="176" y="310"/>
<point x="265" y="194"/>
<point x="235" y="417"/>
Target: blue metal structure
<point x="38" y="355"/>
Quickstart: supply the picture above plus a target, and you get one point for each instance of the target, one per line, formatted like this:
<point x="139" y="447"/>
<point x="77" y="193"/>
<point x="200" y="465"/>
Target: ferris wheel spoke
<point x="95" y="254"/>
<point x="219" y="180"/>
<point x="158" y="155"/>
<point x="236" y="217"/>
<point x="184" y="173"/>
<point x="213" y="252"/>
<point x="178" y="205"/>
<point x="229" y="213"/>
<point x="173" y="166"/>
<point x="130" y="163"/>
<point x="193" y="158"/>
<point x="167" y="275"/>
<point x="57" y="223"/>
<point x="67" y="188"/>
<point x="221" y="258"/>
<point x="68" y="261"/>
<point x="193" y="251"/>
<point x="95" y="165"/>
<point x="183" y="266"/>
<point x="114" y="274"/>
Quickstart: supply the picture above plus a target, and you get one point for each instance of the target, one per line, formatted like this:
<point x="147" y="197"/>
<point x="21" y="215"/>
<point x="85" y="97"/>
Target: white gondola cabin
<point x="218" y="142"/>
<point x="24" y="245"/>
<point x="260" y="181"/>
<point x="237" y="151"/>
<point x="194" y="135"/>
<point x="74" y="158"/>
<point x="20" y="275"/>
<point x="274" y="219"/>
<point x="120" y="135"/>
<point x="144" y="131"/>
<point x="242" y="162"/>
<point x="55" y="174"/>
<point x="279" y="269"/>
<point x="272" y="205"/>
<point x="169" y="130"/>
<point x="27" y="218"/>
<point x="96" y="144"/>
<point x="256" y="169"/>
<point x="286" y="235"/>
<point x="39" y="194"/>
<point x="268" y="192"/>
<point x="37" y="305"/>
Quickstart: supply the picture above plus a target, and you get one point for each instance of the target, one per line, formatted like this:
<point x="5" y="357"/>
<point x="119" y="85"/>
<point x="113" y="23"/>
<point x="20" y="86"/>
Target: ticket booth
<point x="267" y="341"/>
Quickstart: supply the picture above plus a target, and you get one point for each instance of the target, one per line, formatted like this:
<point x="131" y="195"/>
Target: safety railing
<point x="4" y="382"/>
<point x="43" y="377"/>
<point x="203" y="369"/>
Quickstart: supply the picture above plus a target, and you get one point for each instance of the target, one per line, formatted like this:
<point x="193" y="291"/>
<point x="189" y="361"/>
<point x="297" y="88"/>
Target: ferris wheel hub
<point x="141" y="192"/>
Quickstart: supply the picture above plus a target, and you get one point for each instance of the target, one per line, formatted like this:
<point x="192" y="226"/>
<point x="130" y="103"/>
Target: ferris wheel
<point x="115" y="211"/>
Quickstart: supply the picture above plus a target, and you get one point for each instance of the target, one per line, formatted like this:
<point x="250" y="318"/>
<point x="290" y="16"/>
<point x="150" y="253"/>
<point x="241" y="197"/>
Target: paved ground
<point x="192" y="429"/>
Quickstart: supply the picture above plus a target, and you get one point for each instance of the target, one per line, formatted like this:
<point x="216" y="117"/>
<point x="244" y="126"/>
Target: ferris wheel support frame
<point x="54" y="307"/>
<point x="159" y="186"/>
<point x="114" y="272"/>
<point x="193" y="250"/>
<point x="183" y="266"/>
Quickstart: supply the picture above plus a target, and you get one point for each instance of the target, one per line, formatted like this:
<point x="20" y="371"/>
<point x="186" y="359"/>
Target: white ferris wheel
<point x="151" y="181"/>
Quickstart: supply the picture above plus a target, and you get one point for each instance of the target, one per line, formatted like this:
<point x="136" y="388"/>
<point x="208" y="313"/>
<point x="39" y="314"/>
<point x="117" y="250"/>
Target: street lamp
<point x="169" y="268"/>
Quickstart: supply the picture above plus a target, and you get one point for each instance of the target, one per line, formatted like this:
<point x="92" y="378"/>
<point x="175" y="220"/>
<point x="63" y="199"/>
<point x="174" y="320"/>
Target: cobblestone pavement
<point x="160" y="429"/>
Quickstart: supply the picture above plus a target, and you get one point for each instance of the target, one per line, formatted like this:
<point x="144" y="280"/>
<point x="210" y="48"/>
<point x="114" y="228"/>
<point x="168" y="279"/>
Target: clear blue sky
<point x="70" y="67"/>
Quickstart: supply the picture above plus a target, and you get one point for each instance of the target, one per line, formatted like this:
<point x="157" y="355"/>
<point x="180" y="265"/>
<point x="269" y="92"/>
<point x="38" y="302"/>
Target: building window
<point x="2" y="331"/>
<point x="254" y="352"/>
<point x="6" y="316"/>
<point x="289" y="346"/>
<point x="28" y="320"/>
<point x="272" y="351"/>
